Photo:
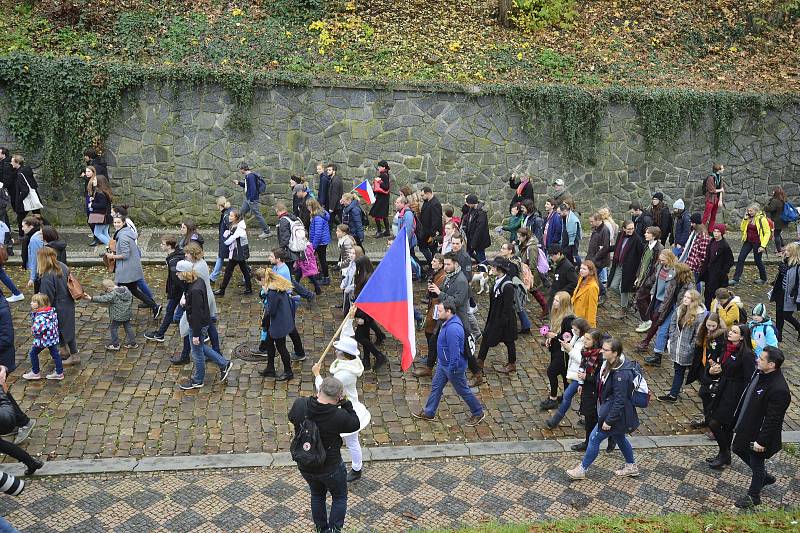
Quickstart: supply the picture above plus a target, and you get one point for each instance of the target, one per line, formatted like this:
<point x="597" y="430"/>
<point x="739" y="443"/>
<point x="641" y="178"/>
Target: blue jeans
<point x="101" y="233"/>
<point x="6" y="527"/>
<point x="524" y="321"/>
<point x="199" y="354"/>
<point x="596" y="439"/>
<point x="662" y="335"/>
<point x="142" y="284"/>
<point x="602" y="277"/>
<point x="255" y="207"/>
<point x="301" y="291"/>
<point x="213" y="336"/>
<point x="34" y="355"/>
<point x="677" y="379"/>
<point x="459" y="381"/>
<point x="169" y="315"/>
<point x="569" y="393"/>
<point x="217" y="269"/>
<point x="334" y="482"/>
<point x="7" y="282"/>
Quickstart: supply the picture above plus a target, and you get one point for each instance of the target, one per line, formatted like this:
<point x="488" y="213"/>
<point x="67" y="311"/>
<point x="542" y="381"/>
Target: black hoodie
<point x="331" y="420"/>
<point x="61" y="249"/>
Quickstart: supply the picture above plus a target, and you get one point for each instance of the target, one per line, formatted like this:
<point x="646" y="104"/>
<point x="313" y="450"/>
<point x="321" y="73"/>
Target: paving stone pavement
<point x="394" y="496"/>
<point x="127" y="404"/>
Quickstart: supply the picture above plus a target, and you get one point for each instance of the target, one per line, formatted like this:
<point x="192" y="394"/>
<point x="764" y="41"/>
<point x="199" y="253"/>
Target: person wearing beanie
<point x="717" y="263"/>
<point x="661" y="216"/>
<point x="762" y="329"/>
<point x="756" y="234"/>
<point x="475" y="222"/>
<point x="681" y="227"/>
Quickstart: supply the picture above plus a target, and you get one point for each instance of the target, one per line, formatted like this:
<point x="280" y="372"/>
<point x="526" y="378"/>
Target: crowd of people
<point x="668" y="268"/>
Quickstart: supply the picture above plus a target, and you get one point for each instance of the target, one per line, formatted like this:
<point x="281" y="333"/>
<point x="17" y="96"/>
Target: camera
<point x="10" y="484"/>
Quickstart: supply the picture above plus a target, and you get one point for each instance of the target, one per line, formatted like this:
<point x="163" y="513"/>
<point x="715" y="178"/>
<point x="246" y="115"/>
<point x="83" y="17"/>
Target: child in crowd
<point x="728" y="306"/>
<point x="512" y="223"/>
<point x="44" y="330"/>
<point x="574" y="347"/>
<point x="762" y="330"/>
<point x="119" y="300"/>
<point x="174" y="286"/>
<point x="346" y="242"/>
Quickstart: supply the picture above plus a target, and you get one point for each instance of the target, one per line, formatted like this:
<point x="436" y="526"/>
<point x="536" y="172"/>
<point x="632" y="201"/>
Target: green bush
<point x="534" y="15"/>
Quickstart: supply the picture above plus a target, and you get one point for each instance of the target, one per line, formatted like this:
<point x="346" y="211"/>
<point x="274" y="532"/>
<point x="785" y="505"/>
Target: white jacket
<point x="575" y="358"/>
<point x="348" y="371"/>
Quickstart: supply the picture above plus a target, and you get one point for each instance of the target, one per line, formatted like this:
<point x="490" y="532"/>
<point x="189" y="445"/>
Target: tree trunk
<point x="503" y="7"/>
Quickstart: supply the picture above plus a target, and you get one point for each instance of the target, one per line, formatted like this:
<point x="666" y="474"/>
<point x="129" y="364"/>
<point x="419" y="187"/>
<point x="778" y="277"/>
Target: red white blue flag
<point x="389" y="299"/>
<point x="364" y="189"/>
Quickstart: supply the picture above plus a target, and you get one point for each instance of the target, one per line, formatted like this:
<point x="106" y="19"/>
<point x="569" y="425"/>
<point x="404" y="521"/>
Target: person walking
<point x="199" y="316"/>
<point x="100" y="209"/>
<point x="774" y="210"/>
<point x="712" y="340"/>
<point x="53" y="240"/>
<point x="429" y="231"/>
<point x="362" y="321"/>
<point x="431" y="325"/>
<point x="44" y="334"/>
<point x="319" y="235"/>
<point x="717" y="263"/>
<point x="16" y="294"/>
<point x="52" y="279"/>
<point x="501" y="320"/>
<point x="350" y="212"/>
<point x="120" y="312"/>
<point x="523" y="190"/>
<point x="624" y="266"/>
<point x="8" y="363"/>
<point x="682" y="226"/>
<point x="451" y="368"/>
<point x="694" y="253"/>
<point x="733" y="372"/>
<point x="661" y="312"/>
<point x="560" y="329"/>
<point x="646" y="275"/>
<point x="616" y="414"/>
<point x="662" y="218"/>
<point x="224" y="207"/>
<point x="174" y="287"/>
<point x="641" y="219"/>
<point x="251" y="184"/>
<point x="714" y="191"/>
<point x="785" y="290"/>
<point x="571" y="233"/>
<point x="26" y="201"/>
<point x="586" y="294"/>
<point x="335" y="193"/>
<point x="333" y="414"/>
<point x="128" y="257"/>
<point x="238" y="253"/>
<point x="564" y="277"/>
<point x="382" y="187"/>
<point x="599" y="251"/>
<point x="683" y="331"/>
<point x="281" y="323"/>
<point x="759" y="420"/>
<point x="475" y="222"/>
<point x="347" y="368"/>
<point x="574" y="348"/>
<point x="756" y="234"/>
<point x="8" y="448"/>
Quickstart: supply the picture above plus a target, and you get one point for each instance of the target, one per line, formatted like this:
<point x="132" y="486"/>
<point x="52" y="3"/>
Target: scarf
<point x="591" y="358"/>
<point x="717" y="179"/>
<point x="522" y="185"/>
<point x="644" y="266"/>
<point x="730" y="349"/>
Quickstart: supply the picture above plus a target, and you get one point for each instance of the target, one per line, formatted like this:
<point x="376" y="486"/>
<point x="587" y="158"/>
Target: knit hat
<point x="696" y="218"/>
<point x="472" y="199"/>
<point x="721" y="227"/>
<point x="679" y="205"/>
<point x="184" y="266"/>
<point x="659" y="196"/>
<point x="347" y="345"/>
<point x="760" y="310"/>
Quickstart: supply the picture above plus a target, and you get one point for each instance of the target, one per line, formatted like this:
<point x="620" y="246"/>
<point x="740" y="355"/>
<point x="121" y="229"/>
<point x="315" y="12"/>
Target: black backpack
<point x="364" y="217"/>
<point x="307" y="448"/>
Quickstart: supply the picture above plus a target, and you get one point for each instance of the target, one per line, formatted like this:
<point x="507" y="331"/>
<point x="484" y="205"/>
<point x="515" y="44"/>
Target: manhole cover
<point x="243" y="352"/>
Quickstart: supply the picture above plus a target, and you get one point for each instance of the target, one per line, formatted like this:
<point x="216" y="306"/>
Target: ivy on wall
<point x="59" y="106"/>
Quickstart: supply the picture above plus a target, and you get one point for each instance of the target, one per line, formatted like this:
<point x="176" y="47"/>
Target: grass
<point x="761" y="522"/>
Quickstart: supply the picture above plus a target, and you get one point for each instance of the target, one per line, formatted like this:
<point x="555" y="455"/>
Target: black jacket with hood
<point x="331" y="420"/>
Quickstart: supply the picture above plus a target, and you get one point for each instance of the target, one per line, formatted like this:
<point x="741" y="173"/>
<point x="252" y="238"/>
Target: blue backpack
<point x="261" y="185"/>
<point x="640" y="393"/>
<point x="790" y="213"/>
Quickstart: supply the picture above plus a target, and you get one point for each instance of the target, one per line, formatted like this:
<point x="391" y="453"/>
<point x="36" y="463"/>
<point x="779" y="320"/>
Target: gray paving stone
<point x="201" y="462"/>
<point x="502" y="448"/>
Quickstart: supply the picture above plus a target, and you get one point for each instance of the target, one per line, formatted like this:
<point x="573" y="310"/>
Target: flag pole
<point x="347" y="317"/>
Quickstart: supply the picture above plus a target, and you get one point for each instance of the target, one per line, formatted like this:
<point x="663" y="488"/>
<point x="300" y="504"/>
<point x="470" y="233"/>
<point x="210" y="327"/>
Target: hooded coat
<point x="348" y="371"/>
<point x="56" y="289"/>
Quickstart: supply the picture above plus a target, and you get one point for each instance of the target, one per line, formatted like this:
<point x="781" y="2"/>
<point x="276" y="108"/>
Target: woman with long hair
<point x="189" y="234"/>
<point x="100" y="209"/>
<point x="774" y="210"/>
<point x="586" y="295"/>
<point x="561" y="317"/>
<point x="682" y="334"/>
<point x="128" y="258"/>
<point x="363" y="322"/>
<point x="238" y="253"/>
<point x="319" y="235"/>
<point x="711" y="340"/>
<point x="281" y="323"/>
<point x="507" y="250"/>
<point x="734" y="370"/>
<point x="224" y="207"/>
<point x="52" y="279"/>
<point x="786" y="290"/>
<point x="90" y="173"/>
<point x="662" y="317"/>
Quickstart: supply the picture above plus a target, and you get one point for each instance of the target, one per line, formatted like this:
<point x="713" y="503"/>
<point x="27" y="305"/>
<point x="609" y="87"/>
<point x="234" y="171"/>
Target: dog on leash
<point x="480" y="278"/>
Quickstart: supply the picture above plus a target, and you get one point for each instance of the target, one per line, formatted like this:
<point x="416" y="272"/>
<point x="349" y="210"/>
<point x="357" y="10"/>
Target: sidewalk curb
<point x="389" y="453"/>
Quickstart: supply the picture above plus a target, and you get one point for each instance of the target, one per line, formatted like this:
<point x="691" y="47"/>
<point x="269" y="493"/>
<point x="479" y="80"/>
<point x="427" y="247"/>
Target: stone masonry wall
<point x="170" y="154"/>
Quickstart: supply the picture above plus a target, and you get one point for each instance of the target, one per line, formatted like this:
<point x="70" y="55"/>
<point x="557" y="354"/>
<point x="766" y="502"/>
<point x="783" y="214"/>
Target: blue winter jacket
<point x="250" y="187"/>
<point x="683" y="226"/>
<point x="615" y="403"/>
<point x="450" y="345"/>
<point x="281" y="317"/>
<point x="324" y="181"/>
<point x="554" y="228"/>
<point x="320" y="231"/>
<point x="351" y="215"/>
<point x="763" y="334"/>
<point x="407" y="221"/>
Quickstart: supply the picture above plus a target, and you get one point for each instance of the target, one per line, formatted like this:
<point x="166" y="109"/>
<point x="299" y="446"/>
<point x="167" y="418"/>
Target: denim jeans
<point x="34" y="355"/>
<point x="142" y="284"/>
<point x="213" y="336"/>
<point x="597" y="438"/>
<point x="524" y="321"/>
<point x="113" y="330"/>
<point x="334" y="482"/>
<point x="101" y="233"/>
<point x="199" y="354"/>
<point x="217" y="269"/>
<point x="459" y="380"/>
<point x="169" y="315"/>
<point x="748" y="247"/>
<point x="8" y="282"/>
<point x="569" y="393"/>
<point x="255" y="207"/>
<point x="662" y="335"/>
<point x="602" y="276"/>
<point x="677" y="380"/>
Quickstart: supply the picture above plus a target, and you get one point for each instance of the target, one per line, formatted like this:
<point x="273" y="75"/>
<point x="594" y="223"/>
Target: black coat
<point x="380" y="209"/>
<point x="8" y="355"/>
<point x="599" y="251"/>
<point x="589" y="391"/>
<point x="22" y="188"/>
<point x="630" y="262"/>
<point x="335" y="192"/>
<point x="100" y="167"/>
<point x="60" y="246"/>
<point x="222" y="227"/>
<point x="430" y="221"/>
<point x="331" y="421"/>
<point x="736" y="372"/>
<point x="762" y="419"/>
<point x="641" y="223"/>
<point x="716" y="267"/>
<point x="476" y="226"/>
<point x="175" y="287"/>
<point x="8" y="175"/>
<point x="527" y="193"/>
<point x="197" y="311"/>
<point x="665" y="224"/>
<point x="100" y="204"/>
<point x="564" y="279"/>
<point x="501" y="321"/>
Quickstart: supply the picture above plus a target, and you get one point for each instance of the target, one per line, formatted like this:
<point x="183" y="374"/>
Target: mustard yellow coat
<point x="584" y="300"/>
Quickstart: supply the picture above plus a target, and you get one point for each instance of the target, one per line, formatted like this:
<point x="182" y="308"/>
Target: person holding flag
<point x="451" y="367"/>
<point x="381" y="186"/>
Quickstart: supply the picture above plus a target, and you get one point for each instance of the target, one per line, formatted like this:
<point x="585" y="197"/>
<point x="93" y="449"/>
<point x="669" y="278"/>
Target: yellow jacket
<point x="762" y="225"/>
<point x="584" y="300"/>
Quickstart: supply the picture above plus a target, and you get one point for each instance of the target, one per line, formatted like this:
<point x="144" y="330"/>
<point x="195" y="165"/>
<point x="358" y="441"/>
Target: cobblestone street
<point x="127" y="403"/>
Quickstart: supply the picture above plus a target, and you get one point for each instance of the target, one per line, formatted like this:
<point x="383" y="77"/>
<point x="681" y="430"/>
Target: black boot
<point x="268" y="372"/>
<point x="653" y="360"/>
<point x="380" y="360"/>
<point x="354" y="475"/>
<point x="722" y="461"/>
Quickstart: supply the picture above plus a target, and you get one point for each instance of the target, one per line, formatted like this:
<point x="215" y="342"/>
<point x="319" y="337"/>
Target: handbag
<point x="75" y="287"/>
<point x="97" y="218"/>
<point x="110" y="264"/>
<point x="32" y="201"/>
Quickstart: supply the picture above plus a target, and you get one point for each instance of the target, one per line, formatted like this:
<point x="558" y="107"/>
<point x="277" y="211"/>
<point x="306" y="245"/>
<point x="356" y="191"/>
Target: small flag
<point x="389" y="299"/>
<point x="364" y="189"/>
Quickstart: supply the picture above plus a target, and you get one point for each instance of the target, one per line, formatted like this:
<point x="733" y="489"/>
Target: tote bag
<point x="31" y="202"/>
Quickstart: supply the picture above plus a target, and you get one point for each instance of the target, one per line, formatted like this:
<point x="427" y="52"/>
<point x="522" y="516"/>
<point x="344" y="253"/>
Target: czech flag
<point x="364" y="189"/>
<point x="389" y="299"/>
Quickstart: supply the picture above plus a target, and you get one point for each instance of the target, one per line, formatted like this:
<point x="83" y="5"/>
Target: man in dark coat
<point x="476" y="225"/>
<point x="501" y="321"/>
<point x="335" y="192"/>
<point x="430" y="226"/>
<point x="759" y="421"/>
<point x="8" y="362"/>
<point x="564" y="276"/>
<point x="717" y="263"/>
<point x="599" y="249"/>
<point x="92" y="159"/>
<point x="8" y="177"/>
<point x="641" y="219"/>
<point x="24" y="182"/>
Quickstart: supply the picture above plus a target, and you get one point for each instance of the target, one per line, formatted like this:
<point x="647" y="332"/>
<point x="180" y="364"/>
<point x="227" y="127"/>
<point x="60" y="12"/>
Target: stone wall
<point x="171" y="154"/>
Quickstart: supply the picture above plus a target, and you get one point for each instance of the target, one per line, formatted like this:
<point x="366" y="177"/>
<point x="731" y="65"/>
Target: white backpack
<point x="298" y="241"/>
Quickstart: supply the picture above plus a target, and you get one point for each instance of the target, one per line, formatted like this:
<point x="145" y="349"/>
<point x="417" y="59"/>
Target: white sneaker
<point x="577" y="473"/>
<point x="15" y="298"/>
<point x="644" y="326"/>
<point x="31" y="376"/>
<point x="54" y="375"/>
<point x="629" y="470"/>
